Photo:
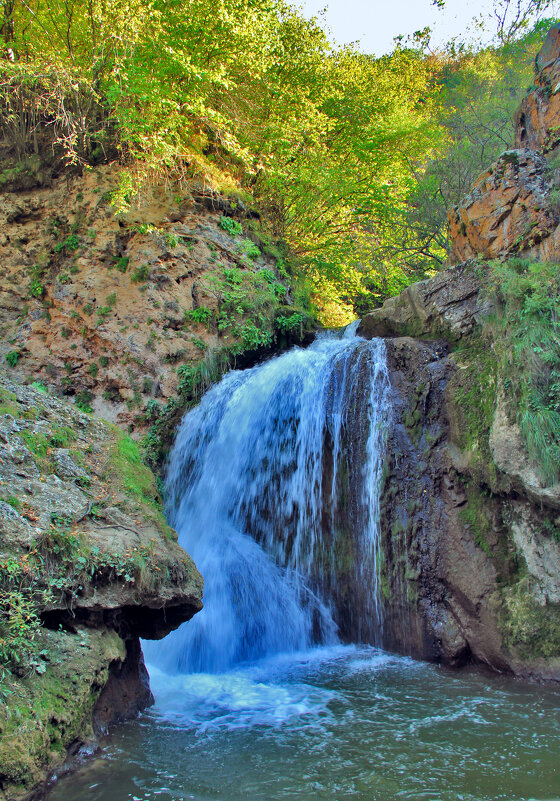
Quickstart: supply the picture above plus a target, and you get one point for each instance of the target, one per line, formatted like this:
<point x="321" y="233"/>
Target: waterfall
<point x="273" y="486"/>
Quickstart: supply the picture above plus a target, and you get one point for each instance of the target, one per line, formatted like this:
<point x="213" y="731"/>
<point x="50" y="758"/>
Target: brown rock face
<point x="513" y="206"/>
<point x="538" y="118"/>
<point x="469" y="527"/>
<point x="438" y="585"/>
<point x="97" y="304"/>
<point x="508" y="210"/>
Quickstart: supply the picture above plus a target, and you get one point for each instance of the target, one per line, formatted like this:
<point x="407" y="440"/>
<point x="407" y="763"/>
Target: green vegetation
<point x="250" y="308"/>
<point x="231" y="226"/>
<point x="71" y="243"/>
<point x="140" y="274"/>
<point x="36" y="289"/>
<point x="531" y="628"/>
<point x="199" y="315"/>
<point x="526" y="339"/>
<point x="251" y="99"/>
<point x="12" y="357"/>
<point x="136" y="478"/>
<point x="122" y="264"/>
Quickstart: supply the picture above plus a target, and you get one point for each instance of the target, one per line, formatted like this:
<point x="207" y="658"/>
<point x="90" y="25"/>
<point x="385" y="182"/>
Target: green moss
<point x="127" y="470"/>
<point x="136" y="478"/>
<point x="475" y="394"/>
<point x="44" y="713"/>
<point x="6" y="407"/>
<point x="530" y="628"/>
<point x="475" y="516"/>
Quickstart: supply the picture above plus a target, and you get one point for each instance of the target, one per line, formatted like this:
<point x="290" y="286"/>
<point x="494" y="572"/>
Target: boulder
<point x="449" y="305"/>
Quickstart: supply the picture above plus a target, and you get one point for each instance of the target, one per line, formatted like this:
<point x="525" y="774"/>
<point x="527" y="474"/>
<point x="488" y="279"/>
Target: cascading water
<point x="273" y="487"/>
<point x="256" y="482"/>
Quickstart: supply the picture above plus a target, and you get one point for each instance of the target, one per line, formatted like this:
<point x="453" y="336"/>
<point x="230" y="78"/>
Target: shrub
<point x="140" y="274"/>
<point x="122" y="264"/>
<point x="36" y="289"/>
<point x="231" y="226"/>
<point x="71" y="243"/>
<point x="199" y="315"/>
<point x="249" y="249"/>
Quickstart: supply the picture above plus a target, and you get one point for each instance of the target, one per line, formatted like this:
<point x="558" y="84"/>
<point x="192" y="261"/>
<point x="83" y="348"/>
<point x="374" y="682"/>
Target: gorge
<point x="374" y="507"/>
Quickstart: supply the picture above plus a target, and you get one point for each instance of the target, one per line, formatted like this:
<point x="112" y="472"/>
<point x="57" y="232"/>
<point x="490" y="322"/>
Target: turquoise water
<point x="333" y="723"/>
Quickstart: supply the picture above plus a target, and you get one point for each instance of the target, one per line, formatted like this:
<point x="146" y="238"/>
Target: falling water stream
<point x="256" y="697"/>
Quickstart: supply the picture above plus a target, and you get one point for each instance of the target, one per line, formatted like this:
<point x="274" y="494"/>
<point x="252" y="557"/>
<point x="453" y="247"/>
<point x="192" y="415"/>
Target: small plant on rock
<point x="231" y="226"/>
<point x="12" y="357"/>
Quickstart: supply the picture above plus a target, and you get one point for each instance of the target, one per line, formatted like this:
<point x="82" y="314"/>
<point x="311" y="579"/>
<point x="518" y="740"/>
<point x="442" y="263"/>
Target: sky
<point x="375" y="22"/>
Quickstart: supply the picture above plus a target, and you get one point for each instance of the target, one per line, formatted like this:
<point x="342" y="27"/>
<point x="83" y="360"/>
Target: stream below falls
<point x="273" y="486"/>
<point x="338" y="722"/>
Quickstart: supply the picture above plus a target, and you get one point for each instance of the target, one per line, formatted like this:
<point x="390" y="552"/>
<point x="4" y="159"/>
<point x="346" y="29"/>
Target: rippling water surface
<point x="332" y="723"/>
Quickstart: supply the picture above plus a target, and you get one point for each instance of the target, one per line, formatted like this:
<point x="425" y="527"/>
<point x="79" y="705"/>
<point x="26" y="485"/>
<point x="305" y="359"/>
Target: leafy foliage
<point x="231" y="226"/>
<point x="352" y="159"/>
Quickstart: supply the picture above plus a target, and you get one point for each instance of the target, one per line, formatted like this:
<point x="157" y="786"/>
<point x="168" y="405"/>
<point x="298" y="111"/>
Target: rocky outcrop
<point x="510" y="210"/>
<point x="537" y="121"/>
<point x="437" y="582"/>
<point x="450" y="305"/>
<point x="103" y="306"/>
<point x="85" y="547"/>
<point x="470" y="527"/>
<point x="513" y="207"/>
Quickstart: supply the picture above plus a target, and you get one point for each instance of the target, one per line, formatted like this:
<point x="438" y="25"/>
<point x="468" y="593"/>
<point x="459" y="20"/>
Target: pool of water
<point x="334" y="723"/>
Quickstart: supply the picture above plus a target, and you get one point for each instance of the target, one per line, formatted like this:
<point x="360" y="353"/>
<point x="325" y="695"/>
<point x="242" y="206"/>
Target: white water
<point x="248" y="496"/>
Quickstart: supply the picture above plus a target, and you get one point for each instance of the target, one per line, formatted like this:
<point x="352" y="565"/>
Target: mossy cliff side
<point x="87" y="566"/>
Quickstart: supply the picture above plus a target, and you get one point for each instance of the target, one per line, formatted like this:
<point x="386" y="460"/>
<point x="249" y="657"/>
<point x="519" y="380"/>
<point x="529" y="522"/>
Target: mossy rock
<point x="43" y="714"/>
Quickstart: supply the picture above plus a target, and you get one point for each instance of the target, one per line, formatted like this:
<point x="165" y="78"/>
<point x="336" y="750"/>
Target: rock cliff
<point x="514" y="208"/>
<point x="88" y="565"/>
<point x="470" y="519"/>
<point x="105" y="307"/>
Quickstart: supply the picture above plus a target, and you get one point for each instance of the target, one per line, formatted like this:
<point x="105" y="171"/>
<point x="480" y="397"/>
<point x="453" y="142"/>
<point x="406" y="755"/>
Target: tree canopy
<point x="352" y="159"/>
